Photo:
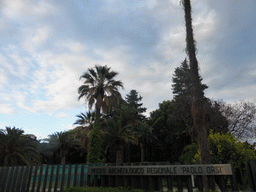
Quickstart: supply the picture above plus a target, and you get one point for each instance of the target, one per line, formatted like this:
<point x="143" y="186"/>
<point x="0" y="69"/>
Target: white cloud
<point x="6" y="108"/>
<point x="3" y="78"/>
<point x="15" y="9"/>
<point x="62" y="115"/>
<point x="115" y="58"/>
<point x="151" y="4"/>
<point x="205" y="25"/>
<point x="72" y="46"/>
<point x="34" y="37"/>
<point x="69" y="127"/>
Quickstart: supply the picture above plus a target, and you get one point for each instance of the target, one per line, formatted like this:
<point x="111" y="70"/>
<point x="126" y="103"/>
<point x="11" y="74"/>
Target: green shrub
<point x="226" y="147"/>
<point x="94" y="146"/>
<point x="101" y="189"/>
<point x="189" y="153"/>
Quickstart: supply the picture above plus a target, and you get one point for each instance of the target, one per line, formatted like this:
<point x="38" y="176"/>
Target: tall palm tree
<point x="100" y="89"/>
<point x="198" y="111"/>
<point x="17" y="148"/>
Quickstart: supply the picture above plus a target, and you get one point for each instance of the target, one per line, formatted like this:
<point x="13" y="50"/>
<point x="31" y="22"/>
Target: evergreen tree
<point x="182" y="90"/>
<point x="133" y="99"/>
<point x="182" y="84"/>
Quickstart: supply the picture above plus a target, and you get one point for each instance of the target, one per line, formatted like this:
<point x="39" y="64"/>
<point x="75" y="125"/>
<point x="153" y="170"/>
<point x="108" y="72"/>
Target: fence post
<point x="19" y="179"/>
<point x="200" y="183"/>
<point x="189" y="184"/>
<point x="69" y="175"/>
<point x="25" y="179"/>
<point x="179" y="180"/>
<point x="127" y="178"/>
<point x="5" y="175"/>
<point x="29" y="177"/>
<point x="40" y="177"/>
<point x="34" y="179"/>
<point x="9" y="181"/>
<point x="45" y="177"/>
<point x="233" y="177"/>
<point x="159" y="180"/>
<point x="242" y="175"/>
<point x="62" y="184"/>
<point x="169" y="182"/>
<point x="98" y="177"/>
<point x="248" y="173"/>
<point x="56" y="178"/>
<point x="221" y="181"/>
<point x="75" y="177"/>
<point x="13" y="185"/>
<point x="82" y="176"/>
<point x="253" y="172"/>
<point x="51" y="178"/>
<point x="143" y="179"/>
<point x="151" y="182"/>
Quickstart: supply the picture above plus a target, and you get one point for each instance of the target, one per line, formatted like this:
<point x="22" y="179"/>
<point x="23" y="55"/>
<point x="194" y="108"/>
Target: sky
<point x="45" y="46"/>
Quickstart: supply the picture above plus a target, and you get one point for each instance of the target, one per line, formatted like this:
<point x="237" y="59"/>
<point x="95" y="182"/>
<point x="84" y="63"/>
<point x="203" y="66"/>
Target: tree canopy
<point x="133" y="100"/>
<point x="182" y="83"/>
<point x="100" y="89"/>
<point x="17" y="148"/>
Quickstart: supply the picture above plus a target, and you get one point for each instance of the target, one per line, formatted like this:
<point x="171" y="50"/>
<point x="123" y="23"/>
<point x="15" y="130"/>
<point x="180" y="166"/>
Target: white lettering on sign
<point x="203" y="169"/>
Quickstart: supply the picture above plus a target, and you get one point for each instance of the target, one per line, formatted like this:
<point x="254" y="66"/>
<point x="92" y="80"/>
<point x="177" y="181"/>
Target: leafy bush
<point x="101" y="189"/>
<point x="223" y="148"/>
<point x="189" y="153"/>
<point x="226" y="147"/>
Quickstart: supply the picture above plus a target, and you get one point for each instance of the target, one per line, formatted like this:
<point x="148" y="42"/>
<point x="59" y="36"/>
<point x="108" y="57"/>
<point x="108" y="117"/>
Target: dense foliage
<point x="17" y="148"/>
<point x="133" y="100"/>
<point x="226" y="147"/>
<point x="94" y="147"/>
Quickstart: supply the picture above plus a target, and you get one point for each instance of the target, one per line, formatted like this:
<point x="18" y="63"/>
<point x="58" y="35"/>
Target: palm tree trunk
<point x="97" y="119"/>
<point x="119" y="154"/>
<point x="63" y="160"/>
<point x="197" y="110"/>
<point x="142" y="151"/>
<point x="129" y="152"/>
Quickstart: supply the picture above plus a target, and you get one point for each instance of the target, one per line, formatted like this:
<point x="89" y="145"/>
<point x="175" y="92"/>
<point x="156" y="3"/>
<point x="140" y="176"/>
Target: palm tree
<point x="84" y="128"/>
<point x="197" y="109"/>
<point x="116" y="135"/>
<point x="17" y="148"/>
<point x="118" y="130"/>
<point x="145" y="136"/>
<point x="86" y="120"/>
<point x="61" y="142"/>
<point x="100" y="89"/>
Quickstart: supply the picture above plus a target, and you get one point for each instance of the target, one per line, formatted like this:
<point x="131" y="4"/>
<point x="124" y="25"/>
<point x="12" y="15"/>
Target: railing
<point x="42" y="178"/>
<point x="147" y="175"/>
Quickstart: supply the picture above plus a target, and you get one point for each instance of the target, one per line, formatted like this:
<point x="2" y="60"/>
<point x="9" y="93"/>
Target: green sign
<point x="203" y="169"/>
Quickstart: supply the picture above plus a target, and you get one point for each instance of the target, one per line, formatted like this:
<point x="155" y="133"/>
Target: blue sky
<point x="46" y="46"/>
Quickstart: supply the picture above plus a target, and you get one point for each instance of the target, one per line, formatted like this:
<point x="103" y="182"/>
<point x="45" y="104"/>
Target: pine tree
<point x="182" y="84"/>
<point x="133" y="99"/>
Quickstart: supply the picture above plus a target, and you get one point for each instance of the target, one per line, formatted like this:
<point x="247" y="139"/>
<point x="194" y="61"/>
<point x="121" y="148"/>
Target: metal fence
<point x="42" y="178"/>
<point x="57" y="177"/>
